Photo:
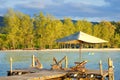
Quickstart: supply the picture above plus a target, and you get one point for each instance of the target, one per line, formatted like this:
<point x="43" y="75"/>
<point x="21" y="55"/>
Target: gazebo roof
<point x="81" y="37"/>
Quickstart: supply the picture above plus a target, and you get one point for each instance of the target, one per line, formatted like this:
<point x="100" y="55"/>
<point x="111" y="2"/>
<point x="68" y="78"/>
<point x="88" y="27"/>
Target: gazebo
<point x="80" y="38"/>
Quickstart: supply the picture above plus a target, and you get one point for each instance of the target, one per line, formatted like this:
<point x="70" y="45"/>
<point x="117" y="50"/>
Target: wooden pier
<point x="57" y="72"/>
<point x="42" y="74"/>
<point x="36" y="75"/>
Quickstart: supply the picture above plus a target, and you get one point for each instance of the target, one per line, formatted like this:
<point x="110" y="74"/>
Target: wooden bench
<point x="80" y="66"/>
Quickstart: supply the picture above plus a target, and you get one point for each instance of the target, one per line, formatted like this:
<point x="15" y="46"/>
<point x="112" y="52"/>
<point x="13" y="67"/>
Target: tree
<point x="68" y="27"/>
<point x="12" y="24"/>
<point x="22" y="31"/>
<point x="117" y="40"/>
<point x="25" y="34"/>
<point x="97" y="30"/>
<point x="40" y="22"/>
<point x="117" y="25"/>
<point x="105" y="30"/>
<point x="3" y="44"/>
<point x="83" y="25"/>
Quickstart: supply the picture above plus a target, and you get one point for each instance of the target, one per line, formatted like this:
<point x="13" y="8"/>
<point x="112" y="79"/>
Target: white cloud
<point x="96" y="19"/>
<point x="89" y="2"/>
<point x="12" y="3"/>
<point x="89" y="9"/>
<point x="40" y="4"/>
<point x="36" y="5"/>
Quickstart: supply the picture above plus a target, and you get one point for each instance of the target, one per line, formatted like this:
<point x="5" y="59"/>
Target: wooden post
<point x="110" y="69"/>
<point x="67" y="45"/>
<point x="101" y="70"/>
<point x="54" y="60"/>
<point x="59" y="45"/>
<point x="66" y="62"/>
<point x="80" y="55"/>
<point x="62" y="45"/>
<point x="70" y="46"/>
<point x="10" y="65"/>
<point x="33" y="61"/>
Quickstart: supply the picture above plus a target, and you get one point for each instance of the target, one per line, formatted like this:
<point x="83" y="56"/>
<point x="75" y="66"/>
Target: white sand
<point x="83" y="49"/>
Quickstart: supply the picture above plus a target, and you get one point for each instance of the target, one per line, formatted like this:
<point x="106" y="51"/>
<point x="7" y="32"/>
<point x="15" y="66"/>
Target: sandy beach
<point x="84" y="49"/>
<point x="65" y="49"/>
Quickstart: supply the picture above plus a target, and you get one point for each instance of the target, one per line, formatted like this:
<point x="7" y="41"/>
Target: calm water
<point x="22" y="59"/>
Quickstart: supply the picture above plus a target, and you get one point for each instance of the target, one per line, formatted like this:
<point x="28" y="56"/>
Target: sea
<point x="23" y="59"/>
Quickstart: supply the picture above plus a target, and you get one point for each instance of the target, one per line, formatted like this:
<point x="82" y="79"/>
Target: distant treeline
<point x="20" y="31"/>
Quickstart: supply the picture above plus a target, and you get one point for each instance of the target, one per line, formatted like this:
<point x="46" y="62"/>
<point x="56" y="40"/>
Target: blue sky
<point x="91" y="10"/>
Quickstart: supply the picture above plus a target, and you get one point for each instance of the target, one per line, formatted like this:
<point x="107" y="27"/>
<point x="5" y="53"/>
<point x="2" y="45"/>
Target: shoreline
<point x="83" y="49"/>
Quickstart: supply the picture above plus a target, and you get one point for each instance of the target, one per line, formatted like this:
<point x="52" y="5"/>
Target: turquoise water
<point x="23" y="59"/>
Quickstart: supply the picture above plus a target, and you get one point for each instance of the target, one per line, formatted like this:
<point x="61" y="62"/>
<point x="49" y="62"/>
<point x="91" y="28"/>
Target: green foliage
<point x="116" y="42"/>
<point x="2" y="41"/>
<point x="68" y="27"/>
<point x="12" y="24"/>
<point x="83" y="25"/>
<point x="105" y="30"/>
<point x="41" y="31"/>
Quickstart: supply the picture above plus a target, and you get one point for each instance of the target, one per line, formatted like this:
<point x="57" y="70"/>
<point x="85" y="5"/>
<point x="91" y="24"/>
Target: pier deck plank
<point x="44" y="74"/>
<point x="41" y="75"/>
